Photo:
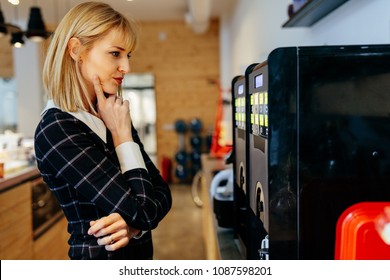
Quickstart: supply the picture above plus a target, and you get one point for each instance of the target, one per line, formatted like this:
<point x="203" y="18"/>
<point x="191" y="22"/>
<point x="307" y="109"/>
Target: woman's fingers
<point x="118" y="99"/>
<point x="107" y="225"/>
<point x="106" y="240"/>
<point x="112" y="231"/>
<point x="98" y="90"/>
<point x="115" y="241"/>
<point x="117" y="245"/>
<point x="100" y="227"/>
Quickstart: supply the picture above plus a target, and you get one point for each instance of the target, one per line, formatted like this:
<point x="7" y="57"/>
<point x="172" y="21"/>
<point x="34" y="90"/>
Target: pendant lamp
<point x="17" y="39"/>
<point x="36" y="30"/>
<point x="3" y="27"/>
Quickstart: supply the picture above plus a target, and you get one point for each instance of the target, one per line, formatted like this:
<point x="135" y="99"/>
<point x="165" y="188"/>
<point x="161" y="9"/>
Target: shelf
<point x="313" y="11"/>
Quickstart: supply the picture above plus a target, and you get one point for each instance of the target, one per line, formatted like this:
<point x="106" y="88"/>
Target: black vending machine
<point x="318" y="141"/>
<point x="240" y="150"/>
<point x="248" y="227"/>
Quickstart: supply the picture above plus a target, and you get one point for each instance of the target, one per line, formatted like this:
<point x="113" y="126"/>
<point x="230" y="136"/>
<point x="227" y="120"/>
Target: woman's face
<point x="108" y="59"/>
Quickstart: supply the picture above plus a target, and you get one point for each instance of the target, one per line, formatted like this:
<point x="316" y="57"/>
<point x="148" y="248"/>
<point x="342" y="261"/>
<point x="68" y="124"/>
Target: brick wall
<point x="186" y="70"/>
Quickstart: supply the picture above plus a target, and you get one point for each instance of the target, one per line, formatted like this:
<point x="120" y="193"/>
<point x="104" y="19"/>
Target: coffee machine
<point x="239" y="151"/>
<point x="249" y="228"/>
<point x="317" y="142"/>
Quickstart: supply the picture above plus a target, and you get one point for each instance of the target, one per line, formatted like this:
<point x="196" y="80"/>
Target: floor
<point x="179" y="234"/>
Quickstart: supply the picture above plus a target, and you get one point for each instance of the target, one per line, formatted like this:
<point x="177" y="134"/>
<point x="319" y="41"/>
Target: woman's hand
<point x="112" y="231"/>
<point x="115" y="113"/>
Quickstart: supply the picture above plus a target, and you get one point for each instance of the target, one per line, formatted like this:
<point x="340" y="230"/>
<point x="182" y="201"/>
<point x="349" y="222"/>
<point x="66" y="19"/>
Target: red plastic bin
<point x="356" y="234"/>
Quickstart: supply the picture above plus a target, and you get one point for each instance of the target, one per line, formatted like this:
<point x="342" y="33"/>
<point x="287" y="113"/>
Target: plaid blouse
<point x="84" y="173"/>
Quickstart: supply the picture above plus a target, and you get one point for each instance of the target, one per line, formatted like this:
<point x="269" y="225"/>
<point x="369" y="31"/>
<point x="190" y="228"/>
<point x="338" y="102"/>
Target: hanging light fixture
<point x="17" y="39"/>
<point x="36" y="30"/>
<point x="3" y="27"/>
<point x="16" y="33"/>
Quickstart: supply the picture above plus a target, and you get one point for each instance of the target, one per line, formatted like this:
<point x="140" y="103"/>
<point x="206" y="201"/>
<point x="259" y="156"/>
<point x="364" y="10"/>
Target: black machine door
<point x="330" y="107"/>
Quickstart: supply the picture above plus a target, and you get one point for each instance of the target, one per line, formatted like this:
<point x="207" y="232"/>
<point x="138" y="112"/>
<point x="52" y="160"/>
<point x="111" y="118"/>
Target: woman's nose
<point x="124" y="67"/>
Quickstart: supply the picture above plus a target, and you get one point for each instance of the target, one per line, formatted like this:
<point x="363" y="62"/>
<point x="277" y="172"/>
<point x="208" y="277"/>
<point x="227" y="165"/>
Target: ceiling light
<point x="14" y="2"/>
<point x="17" y="39"/>
<point x="36" y="31"/>
<point x="3" y="28"/>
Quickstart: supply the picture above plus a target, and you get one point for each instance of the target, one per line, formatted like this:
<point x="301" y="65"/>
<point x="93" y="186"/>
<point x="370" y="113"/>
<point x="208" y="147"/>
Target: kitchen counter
<point x="228" y="244"/>
<point x="18" y="177"/>
<point x="21" y="235"/>
<point x="220" y="243"/>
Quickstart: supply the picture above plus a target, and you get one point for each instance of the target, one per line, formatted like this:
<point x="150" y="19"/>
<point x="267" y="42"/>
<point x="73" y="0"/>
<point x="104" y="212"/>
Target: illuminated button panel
<point x="259" y="113"/>
<point x="239" y="103"/>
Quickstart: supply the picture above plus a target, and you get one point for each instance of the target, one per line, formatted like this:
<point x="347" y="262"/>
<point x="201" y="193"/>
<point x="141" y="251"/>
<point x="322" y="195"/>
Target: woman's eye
<point x="129" y="56"/>
<point x="116" y="54"/>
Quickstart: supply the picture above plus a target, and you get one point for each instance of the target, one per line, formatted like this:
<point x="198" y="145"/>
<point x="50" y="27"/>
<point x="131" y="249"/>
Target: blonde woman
<point x="86" y="147"/>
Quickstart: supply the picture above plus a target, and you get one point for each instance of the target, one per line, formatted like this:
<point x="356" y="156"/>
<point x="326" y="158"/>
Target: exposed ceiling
<point x="140" y="10"/>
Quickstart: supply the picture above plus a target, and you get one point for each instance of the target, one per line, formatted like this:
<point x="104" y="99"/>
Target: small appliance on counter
<point x="221" y="190"/>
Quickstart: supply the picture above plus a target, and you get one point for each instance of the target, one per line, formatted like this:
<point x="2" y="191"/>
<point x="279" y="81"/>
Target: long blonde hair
<point x="88" y="21"/>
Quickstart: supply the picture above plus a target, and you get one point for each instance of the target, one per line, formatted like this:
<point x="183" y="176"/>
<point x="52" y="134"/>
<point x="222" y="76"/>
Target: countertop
<point x="15" y="178"/>
<point x="229" y="246"/>
<point x="221" y="242"/>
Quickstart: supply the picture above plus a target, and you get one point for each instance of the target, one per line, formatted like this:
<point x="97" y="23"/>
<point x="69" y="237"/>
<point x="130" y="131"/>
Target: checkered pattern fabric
<point x="84" y="174"/>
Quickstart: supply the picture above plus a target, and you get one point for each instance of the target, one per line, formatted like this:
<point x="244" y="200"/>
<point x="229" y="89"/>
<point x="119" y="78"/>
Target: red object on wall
<point x="217" y="150"/>
<point x="166" y="169"/>
<point x="356" y="235"/>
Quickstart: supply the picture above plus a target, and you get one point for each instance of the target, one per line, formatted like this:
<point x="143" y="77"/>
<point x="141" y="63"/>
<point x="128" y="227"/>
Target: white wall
<point x="255" y="28"/>
<point x="28" y="77"/>
<point x="8" y="118"/>
<point x="356" y="22"/>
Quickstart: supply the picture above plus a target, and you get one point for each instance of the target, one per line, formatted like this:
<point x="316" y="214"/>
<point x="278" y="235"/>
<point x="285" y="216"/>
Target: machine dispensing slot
<point x="242" y="178"/>
<point x="260" y="201"/>
<point x="259" y="143"/>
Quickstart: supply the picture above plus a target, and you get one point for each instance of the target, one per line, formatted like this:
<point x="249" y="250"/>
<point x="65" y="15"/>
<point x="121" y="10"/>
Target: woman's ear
<point x="74" y="45"/>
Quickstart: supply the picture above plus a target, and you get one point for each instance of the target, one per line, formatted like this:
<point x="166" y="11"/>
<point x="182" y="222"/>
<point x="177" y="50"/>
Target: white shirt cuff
<point x="130" y="157"/>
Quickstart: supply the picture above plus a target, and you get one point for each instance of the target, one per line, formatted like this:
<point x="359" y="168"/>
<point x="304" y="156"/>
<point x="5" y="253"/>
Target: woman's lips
<point x="118" y="80"/>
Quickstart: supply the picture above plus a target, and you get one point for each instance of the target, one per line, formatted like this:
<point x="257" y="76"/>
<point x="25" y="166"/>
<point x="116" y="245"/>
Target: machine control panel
<point x="239" y="103"/>
<point x="259" y="108"/>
